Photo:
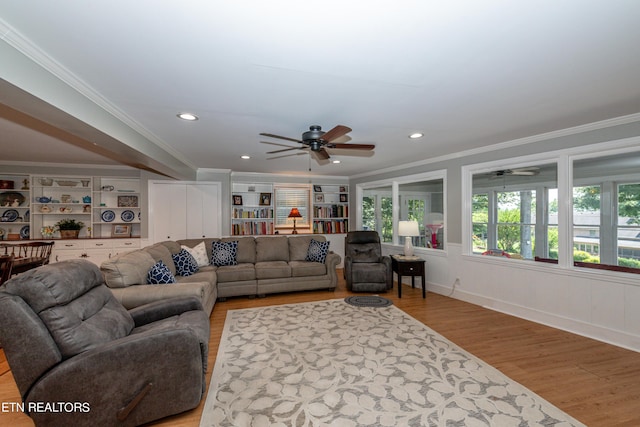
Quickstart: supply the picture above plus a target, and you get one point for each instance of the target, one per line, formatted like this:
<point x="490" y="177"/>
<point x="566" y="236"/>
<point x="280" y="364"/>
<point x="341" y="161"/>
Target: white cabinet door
<point x="167" y="211"/>
<point x="203" y="210"/>
<point x="184" y="210"/>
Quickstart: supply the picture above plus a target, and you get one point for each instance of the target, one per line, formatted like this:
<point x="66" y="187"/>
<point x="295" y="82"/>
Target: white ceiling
<point x="466" y="73"/>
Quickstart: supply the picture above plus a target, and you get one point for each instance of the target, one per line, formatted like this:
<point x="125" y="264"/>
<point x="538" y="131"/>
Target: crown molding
<point x="603" y="124"/>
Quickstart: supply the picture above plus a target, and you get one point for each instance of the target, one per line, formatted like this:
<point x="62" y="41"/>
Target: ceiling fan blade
<point x="336" y="132"/>
<point x="285" y="149"/>
<point x="352" y="146"/>
<point x="276" y="143"/>
<point x="281" y="137"/>
<point x="320" y="155"/>
<point x="286" y="155"/>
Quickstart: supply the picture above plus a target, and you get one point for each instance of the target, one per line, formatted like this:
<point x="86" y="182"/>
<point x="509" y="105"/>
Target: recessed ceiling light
<point x="335" y="161"/>
<point x="416" y="135"/>
<point x="245" y="157"/>
<point x="188" y="116"/>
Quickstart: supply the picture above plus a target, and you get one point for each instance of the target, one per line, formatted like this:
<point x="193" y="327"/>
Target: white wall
<point x="600" y="304"/>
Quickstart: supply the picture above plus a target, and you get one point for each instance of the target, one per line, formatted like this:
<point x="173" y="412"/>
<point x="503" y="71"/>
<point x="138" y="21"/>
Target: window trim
<point x="564" y="159"/>
<point x="395" y="188"/>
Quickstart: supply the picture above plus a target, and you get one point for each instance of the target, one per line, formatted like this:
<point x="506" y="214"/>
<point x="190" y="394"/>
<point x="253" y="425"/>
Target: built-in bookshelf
<point x="330" y="208"/>
<point x="251" y="209"/>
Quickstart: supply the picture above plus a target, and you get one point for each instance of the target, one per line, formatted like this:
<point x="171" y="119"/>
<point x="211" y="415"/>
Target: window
<point x="514" y="212"/>
<point x="418" y="198"/>
<point x="606" y="212"/>
<point x="422" y="201"/>
<point x="377" y="212"/>
<point x="288" y="197"/>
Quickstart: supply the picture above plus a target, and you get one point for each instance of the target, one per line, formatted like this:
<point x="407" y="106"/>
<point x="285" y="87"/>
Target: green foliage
<point x="583" y="256"/>
<point x="69" y="224"/>
<point x="509" y="235"/>
<point x="629" y="202"/>
<point x="586" y="198"/>
<point x="629" y="262"/>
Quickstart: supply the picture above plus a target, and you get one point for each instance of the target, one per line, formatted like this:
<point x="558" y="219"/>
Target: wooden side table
<point x="409" y="266"/>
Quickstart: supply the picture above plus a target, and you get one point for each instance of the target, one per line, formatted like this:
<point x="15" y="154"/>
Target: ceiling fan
<point x="514" y="172"/>
<point x="316" y="142"/>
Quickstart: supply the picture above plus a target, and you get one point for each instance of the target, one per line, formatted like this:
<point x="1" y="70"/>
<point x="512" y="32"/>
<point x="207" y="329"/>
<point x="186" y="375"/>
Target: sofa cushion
<point x="272" y="270"/>
<point x="160" y="252"/>
<point x="224" y="253"/>
<point x="317" y="251"/>
<point x="299" y="245"/>
<point x="160" y="274"/>
<point x="307" y="268"/>
<point x="246" y="248"/>
<point x="236" y="273"/>
<point x="186" y="265"/>
<point x="199" y="253"/>
<point x="272" y="249"/>
<point x="174" y="247"/>
<point x="127" y="269"/>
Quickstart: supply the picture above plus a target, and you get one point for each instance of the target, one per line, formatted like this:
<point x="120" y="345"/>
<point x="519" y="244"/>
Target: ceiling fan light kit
<point x="316" y="142"/>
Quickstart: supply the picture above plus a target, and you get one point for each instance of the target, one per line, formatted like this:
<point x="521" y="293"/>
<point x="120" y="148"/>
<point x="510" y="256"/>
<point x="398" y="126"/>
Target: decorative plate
<point x="24" y="232"/>
<point x="11" y="215"/>
<point x="127" y="216"/>
<point x="108" y="216"/>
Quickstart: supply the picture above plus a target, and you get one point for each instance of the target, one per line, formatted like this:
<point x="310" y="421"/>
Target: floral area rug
<point x="330" y="363"/>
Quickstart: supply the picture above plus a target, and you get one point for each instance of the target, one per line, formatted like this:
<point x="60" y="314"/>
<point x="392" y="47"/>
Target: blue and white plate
<point x="108" y="216"/>
<point x="127" y="216"/>
<point x="10" y="215"/>
<point x="24" y="232"/>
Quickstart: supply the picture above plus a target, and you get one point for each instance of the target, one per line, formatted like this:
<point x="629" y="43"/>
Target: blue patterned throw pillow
<point x="186" y="264"/>
<point x="224" y="253"/>
<point x="160" y="274"/>
<point x="317" y="251"/>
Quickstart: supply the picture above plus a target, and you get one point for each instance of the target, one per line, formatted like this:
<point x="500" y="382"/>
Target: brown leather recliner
<point x="365" y="268"/>
<point x="80" y="358"/>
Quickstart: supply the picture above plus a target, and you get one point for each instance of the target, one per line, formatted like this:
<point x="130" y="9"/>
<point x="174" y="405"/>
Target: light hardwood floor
<point x="596" y="383"/>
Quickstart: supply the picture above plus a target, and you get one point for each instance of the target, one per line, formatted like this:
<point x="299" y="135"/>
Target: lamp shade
<point x="295" y="213"/>
<point x="408" y="228"/>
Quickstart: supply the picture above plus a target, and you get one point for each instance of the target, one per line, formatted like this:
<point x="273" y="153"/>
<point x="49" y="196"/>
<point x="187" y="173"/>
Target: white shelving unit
<point x="59" y="197"/>
<point x="251" y="209"/>
<point x="15" y="207"/>
<point x="115" y="207"/>
<point x="330" y="208"/>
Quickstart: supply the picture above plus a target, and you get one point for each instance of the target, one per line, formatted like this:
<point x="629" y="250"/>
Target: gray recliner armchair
<point x="73" y="348"/>
<point x="365" y="269"/>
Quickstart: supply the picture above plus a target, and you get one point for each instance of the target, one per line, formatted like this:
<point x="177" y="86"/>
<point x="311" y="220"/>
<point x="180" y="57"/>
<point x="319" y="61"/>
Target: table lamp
<point x="408" y="229"/>
<point x="295" y="213"/>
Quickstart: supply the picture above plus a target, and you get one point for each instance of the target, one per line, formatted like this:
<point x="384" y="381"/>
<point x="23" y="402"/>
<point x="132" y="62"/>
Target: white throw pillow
<point x="199" y="253"/>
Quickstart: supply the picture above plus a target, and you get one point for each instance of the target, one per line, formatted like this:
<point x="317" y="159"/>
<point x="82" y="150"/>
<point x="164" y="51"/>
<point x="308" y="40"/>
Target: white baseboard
<point x="609" y="336"/>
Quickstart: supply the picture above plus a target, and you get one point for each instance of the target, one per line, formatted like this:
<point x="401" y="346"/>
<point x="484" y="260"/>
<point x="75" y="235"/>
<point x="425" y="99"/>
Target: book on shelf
<point x="330" y="226"/>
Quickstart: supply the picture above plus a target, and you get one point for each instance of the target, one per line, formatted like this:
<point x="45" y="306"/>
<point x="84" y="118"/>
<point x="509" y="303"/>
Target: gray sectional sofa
<point x="264" y="265"/>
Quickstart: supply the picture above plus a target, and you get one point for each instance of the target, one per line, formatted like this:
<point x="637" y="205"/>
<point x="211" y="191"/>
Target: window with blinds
<point x="288" y="197"/>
